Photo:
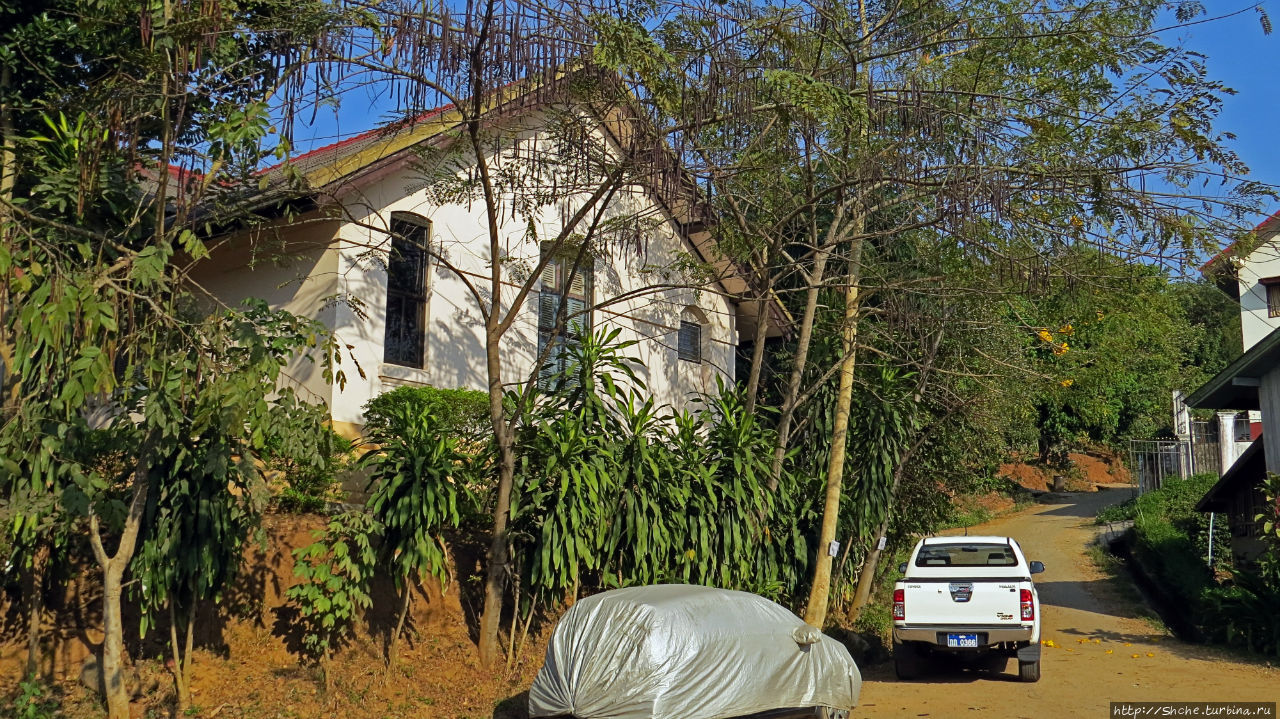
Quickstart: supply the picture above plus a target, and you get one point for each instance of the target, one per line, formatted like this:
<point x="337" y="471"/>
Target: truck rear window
<point x="966" y="555"/>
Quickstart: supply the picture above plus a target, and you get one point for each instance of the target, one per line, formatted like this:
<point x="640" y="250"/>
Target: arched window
<point x="405" y="340"/>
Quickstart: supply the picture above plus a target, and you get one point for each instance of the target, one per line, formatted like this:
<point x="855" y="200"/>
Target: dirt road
<point x="1081" y="676"/>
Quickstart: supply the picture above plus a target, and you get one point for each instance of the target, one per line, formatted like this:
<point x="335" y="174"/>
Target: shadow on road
<point x="1083" y="504"/>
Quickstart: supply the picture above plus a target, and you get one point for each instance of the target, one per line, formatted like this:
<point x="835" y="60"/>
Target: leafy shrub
<point x="33" y="701"/>
<point x="463" y="413"/>
<point x="1121" y="512"/>
<point x="1244" y="613"/>
<point x="335" y="571"/>
<point x="419" y="480"/>
<point x="614" y="490"/>
<point x="309" y="461"/>
<point x="1171" y="541"/>
<point x="1172" y="538"/>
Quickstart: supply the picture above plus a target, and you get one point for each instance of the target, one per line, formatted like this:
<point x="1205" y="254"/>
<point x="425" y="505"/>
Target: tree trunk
<point x="181" y="659"/>
<point x="792" y="397"/>
<point x="113" y="566"/>
<point x="32" y="586"/>
<point x="820" y="592"/>
<point x="757" y="353"/>
<point x="394" y="644"/>
<point x="762" y="334"/>
<point x="113" y="656"/>
<point x="8" y="175"/>
<point x="798" y="365"/>
<point x="496" y="558"/>
<point x="867" y="578"/>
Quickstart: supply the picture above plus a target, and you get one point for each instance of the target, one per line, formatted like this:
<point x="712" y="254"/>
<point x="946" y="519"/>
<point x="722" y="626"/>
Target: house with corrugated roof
<point x="383" y="245"/>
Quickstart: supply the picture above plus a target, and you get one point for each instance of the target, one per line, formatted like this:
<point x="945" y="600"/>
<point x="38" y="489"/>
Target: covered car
<point x="676" y="651"/>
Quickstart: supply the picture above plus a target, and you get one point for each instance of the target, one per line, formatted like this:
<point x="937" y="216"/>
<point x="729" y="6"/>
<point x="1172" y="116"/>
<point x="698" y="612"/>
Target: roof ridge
<point x="389" y="127"/>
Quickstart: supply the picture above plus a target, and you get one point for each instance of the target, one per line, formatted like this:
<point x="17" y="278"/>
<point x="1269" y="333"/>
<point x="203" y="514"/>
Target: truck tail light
<point x="900" y="604"/>
<point x="1028" y="607"/>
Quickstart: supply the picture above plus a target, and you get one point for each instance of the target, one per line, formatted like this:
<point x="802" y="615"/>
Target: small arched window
<point x="405" y="339"/>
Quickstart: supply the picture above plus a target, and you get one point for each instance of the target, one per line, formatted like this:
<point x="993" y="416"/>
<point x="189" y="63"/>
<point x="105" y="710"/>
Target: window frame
<point x="694" y="352"/>
<point x="556" y="289"/>
<point x="406" y="229"/>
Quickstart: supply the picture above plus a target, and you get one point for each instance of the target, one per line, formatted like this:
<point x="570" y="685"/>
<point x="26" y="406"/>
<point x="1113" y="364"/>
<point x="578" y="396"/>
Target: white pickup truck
<point x="967" y="596"/>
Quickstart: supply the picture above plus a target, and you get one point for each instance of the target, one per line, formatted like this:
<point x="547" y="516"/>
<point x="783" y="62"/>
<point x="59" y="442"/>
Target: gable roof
<point x="1248" y="470"/>
<point x="325" y="164"/>
<point x="364" y="154"/>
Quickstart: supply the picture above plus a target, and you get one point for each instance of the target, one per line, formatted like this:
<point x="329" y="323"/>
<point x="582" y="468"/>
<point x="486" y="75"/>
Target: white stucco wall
<point x="292" y="267"/>
<point x="1261" y="263"/>
<point x="455" y="352"/>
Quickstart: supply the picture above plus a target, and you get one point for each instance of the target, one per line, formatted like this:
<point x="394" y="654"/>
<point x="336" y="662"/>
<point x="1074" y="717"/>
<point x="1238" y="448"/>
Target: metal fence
<point x="1152" y="461"/>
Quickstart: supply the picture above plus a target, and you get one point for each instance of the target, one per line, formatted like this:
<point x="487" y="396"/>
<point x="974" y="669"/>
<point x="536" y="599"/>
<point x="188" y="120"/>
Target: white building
<point x="1253" y="267"/>
<point x="412" y="318"/>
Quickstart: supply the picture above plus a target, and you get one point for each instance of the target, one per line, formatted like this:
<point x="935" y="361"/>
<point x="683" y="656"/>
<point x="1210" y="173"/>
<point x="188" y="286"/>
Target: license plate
<point x="962" y="640"/>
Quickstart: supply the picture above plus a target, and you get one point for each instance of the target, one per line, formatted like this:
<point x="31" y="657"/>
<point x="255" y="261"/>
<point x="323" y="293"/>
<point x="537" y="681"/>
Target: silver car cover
<point x="675" y="651"/>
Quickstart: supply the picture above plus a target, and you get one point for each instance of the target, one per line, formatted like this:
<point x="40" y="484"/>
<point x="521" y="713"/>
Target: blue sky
<point x="1238" y="53"/>
<point x="1244" y="58"/>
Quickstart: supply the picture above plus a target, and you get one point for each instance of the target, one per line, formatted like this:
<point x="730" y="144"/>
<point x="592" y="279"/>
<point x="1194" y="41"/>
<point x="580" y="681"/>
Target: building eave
<point x="1236" y="386"/>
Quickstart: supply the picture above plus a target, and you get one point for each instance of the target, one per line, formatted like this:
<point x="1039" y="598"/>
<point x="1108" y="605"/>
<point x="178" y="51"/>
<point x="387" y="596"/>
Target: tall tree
<point x="1012" y="129"/>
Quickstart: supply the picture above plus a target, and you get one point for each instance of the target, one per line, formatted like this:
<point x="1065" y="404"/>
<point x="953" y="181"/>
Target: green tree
<point x="123" y="154"/>
<point x="1215" y="322"/>
<point x="208" y="425"/>
<point x="1109" y="346"/>
<point x="1009" y="131"/>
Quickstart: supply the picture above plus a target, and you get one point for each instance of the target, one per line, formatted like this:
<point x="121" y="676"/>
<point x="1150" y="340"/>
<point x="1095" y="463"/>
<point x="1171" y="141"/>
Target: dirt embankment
<point x="1087" y="471"/>
<point x="249" y="661"/>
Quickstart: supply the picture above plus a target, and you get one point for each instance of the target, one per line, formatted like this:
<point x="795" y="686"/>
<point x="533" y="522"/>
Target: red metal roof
<point x="1267" y="224"/>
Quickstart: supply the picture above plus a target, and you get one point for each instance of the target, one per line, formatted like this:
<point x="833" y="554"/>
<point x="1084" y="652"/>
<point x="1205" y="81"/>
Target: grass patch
<point x="1121" y="512"/>
<point x="1118" y="588"/>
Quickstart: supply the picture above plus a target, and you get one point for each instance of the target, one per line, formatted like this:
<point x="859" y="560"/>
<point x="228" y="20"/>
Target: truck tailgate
<point x="970" y="601"/>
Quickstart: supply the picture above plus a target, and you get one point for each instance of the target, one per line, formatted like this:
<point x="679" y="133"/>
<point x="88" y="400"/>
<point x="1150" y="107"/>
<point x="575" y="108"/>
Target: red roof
<point x="324" y="153"/>
<point x="1267" y="224"/>
<point x="330" y="151"/>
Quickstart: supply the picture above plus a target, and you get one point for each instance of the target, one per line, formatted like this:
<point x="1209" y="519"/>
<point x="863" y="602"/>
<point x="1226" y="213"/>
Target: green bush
<point x="463" y="413"/>
<point x="1172" y="538"/>
<point x="34" y="701"/>
<point x="1121" y="512"/>
<point x="419" y="483"/>
<point x="1171" y="544"/>
<point x="614" y="490"/>
<point x="308" y="461"/>
<point x="1244" y="613"/>
<point x="333" y="588"/>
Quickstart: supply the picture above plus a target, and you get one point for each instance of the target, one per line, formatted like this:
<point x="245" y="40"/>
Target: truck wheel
<point x="906" y="661"/>
<point x="832" y="713"/>
<point x="1029" y="671"/>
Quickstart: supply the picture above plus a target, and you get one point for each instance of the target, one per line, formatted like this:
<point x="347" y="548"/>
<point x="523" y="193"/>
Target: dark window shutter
<point x="577" y="323"/>
<point x="550" y="364"/>
<point x="548" y="303"/>
<point x="690" y="344"/>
